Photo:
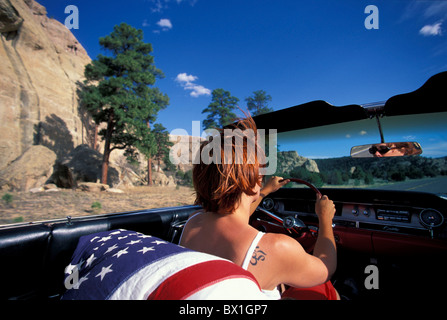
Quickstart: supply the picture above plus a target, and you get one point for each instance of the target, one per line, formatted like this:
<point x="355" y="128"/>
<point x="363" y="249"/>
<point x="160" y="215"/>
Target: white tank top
<point x="272" y="294"/>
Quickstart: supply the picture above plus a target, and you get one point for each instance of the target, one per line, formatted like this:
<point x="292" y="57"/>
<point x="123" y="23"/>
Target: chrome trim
<point x="271" y="215"/>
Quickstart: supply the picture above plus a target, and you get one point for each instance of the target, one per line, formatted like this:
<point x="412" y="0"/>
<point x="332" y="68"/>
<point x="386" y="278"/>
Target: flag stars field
<point x="104" y="271"/>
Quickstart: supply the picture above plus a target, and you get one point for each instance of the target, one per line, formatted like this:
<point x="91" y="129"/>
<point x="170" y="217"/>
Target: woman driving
<point x="229" y="191"/>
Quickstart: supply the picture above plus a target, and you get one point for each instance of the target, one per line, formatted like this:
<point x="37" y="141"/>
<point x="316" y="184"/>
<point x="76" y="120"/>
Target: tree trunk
<point x="105" y="159"/>
<point x="105" y="167"/>
<point x="149" y="164"/>
<point x="149" y="172"/>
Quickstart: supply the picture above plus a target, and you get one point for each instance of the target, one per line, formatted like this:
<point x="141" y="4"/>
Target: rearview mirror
<point x="391" y="149"/>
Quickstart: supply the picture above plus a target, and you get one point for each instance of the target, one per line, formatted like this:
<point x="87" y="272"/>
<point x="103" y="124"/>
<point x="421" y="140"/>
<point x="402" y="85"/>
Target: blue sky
<point x="297" y="51"/>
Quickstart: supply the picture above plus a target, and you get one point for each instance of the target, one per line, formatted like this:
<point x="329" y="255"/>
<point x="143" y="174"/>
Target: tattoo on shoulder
<point x="258" y="255"/>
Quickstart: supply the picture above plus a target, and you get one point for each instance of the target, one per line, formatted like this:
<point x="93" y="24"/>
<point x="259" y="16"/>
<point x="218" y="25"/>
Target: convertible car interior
<point x="391" y="243"/>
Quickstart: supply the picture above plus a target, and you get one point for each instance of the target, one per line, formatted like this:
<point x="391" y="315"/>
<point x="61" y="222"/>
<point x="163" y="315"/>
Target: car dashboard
<point x="371" y="221"/>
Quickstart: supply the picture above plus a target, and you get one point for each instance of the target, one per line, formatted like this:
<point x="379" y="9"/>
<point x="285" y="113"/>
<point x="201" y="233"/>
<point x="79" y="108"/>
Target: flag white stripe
<point x="141" y="284"/>
<point x="230" y="289"/>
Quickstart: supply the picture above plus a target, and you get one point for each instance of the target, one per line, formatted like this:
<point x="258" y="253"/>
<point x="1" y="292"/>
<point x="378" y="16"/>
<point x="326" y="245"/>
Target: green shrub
<point x="18" y="219"/>
<point x="96" y="206"/>
<point x="7" y="198"/>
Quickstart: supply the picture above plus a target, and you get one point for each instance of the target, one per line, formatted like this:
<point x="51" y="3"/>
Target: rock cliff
<point x="41" y="67"/>
<point x="31" y="170"/>
<point x="288" y="160"/>
<point x="41" y="63"/>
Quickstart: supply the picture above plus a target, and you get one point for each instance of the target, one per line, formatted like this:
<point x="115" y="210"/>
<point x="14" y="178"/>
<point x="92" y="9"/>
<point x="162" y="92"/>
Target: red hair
<point x="220" y="183"/>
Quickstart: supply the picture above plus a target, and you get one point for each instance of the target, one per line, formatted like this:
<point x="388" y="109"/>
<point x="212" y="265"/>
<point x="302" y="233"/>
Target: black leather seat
<point x="34" y="256"/>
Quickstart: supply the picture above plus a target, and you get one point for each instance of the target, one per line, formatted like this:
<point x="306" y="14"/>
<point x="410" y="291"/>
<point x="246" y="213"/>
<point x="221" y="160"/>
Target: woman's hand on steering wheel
<point x="324" y="208"/>
<point x="274" y="184"/>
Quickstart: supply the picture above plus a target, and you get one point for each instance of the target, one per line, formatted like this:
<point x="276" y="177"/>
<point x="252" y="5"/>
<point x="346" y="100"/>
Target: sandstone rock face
<point x="31" y="170"/>
<point x="93" y="187"/>
<point x="41" y="64"/>
<point x="185" y="149"/>
<point x="291" y="159"/>
<point x="160" y="179"/>
<point x="10" y="19"/>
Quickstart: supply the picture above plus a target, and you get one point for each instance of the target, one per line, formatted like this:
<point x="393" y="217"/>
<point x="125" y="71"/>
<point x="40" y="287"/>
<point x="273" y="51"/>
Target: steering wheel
<point x="310" y="185"/>
<point x="291" y="223"/>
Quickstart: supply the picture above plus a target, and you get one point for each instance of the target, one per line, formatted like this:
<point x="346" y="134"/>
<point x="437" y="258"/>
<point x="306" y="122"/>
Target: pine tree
<point x="118" y="92"/>
<point x="220" y="110"/>
<point x="163" y="144"/>
<point x="258" y="103"/>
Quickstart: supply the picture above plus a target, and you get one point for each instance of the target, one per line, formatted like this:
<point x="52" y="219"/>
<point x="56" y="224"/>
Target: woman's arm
<point x="294" y="266"/>
<point x="325" y="247"/>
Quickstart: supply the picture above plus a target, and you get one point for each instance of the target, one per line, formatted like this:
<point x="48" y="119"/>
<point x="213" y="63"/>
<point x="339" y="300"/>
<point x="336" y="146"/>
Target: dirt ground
<point x="27" y="207"/>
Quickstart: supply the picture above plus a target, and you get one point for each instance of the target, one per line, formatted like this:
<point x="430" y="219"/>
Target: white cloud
<point x="185" y="78"/>
<point x="165" y="24"/>
<point x="187" y="82"/>
<point x="425" y="9"/>
<point x="161" y="5"/>
<point x="410" y="138"/>
<point x="431" y="30"/>
<point x="363" y="132"/>
<point x="436" y="9"/>
<point x="157" y="6"/>
<point x="198" y="91"/>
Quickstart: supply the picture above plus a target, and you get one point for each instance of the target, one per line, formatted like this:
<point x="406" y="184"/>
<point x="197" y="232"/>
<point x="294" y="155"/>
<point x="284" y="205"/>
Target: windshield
<point x="321" y="155"/>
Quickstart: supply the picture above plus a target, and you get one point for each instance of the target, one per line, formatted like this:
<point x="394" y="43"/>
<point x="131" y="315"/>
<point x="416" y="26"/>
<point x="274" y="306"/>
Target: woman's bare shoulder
<point x="280" y="244"/>
<point x="280" y="239"/>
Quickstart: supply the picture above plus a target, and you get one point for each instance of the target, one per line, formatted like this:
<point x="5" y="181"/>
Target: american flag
<point x="127" y="265"/>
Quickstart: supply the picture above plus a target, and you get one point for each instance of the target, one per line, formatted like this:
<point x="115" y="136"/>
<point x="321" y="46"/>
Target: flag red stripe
<point x="190" y="280"/>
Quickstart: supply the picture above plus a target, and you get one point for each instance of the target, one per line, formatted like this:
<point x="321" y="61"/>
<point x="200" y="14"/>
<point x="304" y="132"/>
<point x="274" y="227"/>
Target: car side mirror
<point x="390" y="149"/>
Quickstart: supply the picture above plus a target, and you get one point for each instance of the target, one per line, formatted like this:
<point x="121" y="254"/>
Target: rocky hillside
<point x="45" y="135"/>
<point x="41" y="63"/>
<point x="289" y="160"/>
